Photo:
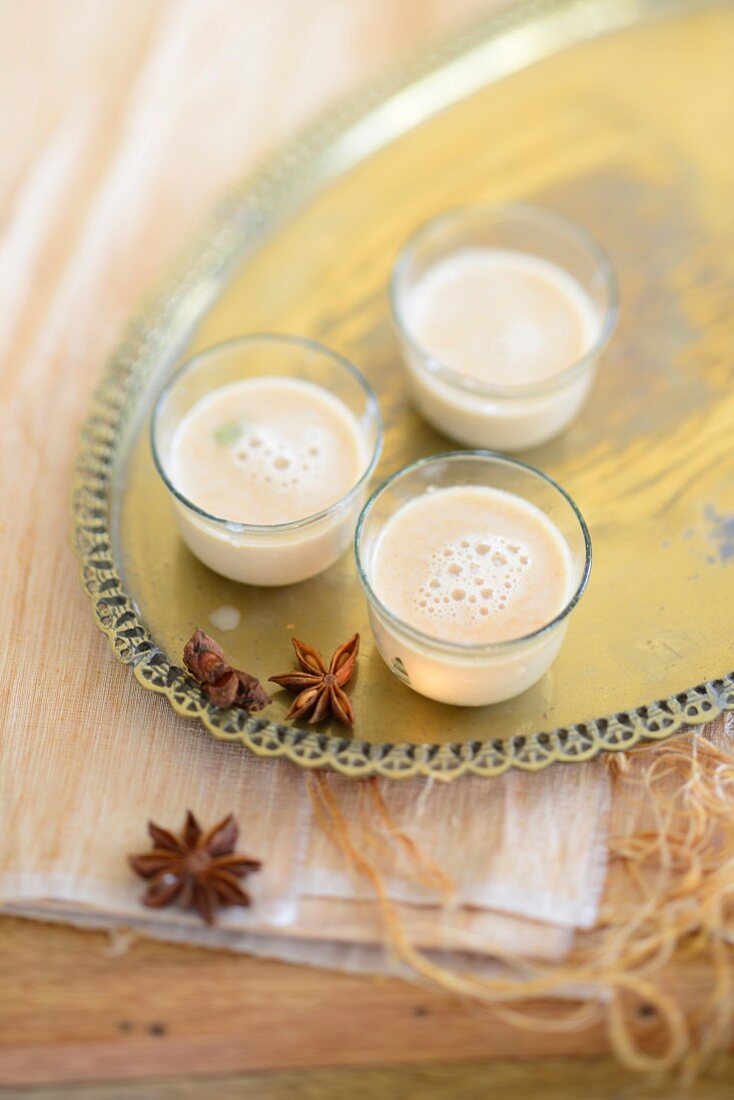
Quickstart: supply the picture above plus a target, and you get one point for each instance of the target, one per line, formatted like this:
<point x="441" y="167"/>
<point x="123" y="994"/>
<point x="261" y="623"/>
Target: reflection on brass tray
<point x="597" y="129"/>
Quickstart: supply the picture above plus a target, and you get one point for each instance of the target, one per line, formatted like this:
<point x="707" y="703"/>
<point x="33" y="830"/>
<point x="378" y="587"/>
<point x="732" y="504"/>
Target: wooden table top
<point x="83" y="1008"/>
<point x="216" y="83"/>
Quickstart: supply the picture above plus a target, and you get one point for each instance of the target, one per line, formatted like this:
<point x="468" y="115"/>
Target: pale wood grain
<point x="556" y="1080"/>
<point x="73" y="1011"/>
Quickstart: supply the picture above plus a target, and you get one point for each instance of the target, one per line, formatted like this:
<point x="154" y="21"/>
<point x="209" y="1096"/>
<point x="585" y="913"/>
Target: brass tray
<point x="599" y="110"/>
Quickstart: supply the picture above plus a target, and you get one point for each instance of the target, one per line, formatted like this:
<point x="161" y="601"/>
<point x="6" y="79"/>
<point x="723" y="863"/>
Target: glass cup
<point x="282" y="553"/>
<point x="453" y="672"/>
<point x="504" y="417"/>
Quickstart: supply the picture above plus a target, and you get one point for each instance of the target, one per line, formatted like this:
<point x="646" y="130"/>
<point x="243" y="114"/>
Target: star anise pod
<point x="200" y="870"/>
<point x="321" y="688"/>
<point x="226" y="686"/>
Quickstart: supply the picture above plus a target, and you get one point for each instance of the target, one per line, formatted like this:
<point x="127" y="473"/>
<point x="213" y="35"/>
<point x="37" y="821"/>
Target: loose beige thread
<point x="678" y="866"/>
<point x="606" y="985"/>
<point x="427" y="869"/>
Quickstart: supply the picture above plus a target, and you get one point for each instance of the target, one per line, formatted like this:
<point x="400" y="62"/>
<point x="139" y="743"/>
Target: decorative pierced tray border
<point x="175" y="308"/>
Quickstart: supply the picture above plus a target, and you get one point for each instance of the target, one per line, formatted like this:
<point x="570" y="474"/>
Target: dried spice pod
<point x="320" y="686"/>
<point x="204" y="658"/>
<point x="200" y="870"/>
<point x="225" y="686"/>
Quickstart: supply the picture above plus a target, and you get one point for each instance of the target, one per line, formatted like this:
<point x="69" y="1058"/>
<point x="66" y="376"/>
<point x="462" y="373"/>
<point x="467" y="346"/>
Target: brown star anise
<point x="321" y="689"/>
<point x="199" y="869"/>
<point x="226" y="686"/>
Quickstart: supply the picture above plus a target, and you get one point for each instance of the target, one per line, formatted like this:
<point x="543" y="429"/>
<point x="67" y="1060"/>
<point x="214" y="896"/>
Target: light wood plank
<point x="73" y="1011"/>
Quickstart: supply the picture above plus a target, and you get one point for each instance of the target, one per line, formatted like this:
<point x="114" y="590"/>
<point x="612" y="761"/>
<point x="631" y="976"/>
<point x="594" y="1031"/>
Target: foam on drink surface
<point x="502" y="316"/>
<point x="472" y="577"/>
<point x="267" y="456"/>
<point x="267" y="450"/>
<point x="472" y="564"/>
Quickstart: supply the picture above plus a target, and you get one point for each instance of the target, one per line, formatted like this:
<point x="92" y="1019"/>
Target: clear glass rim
<point x="464" y="649"/>
<point x="509" y="212"/>
<point x="283" y="339"/>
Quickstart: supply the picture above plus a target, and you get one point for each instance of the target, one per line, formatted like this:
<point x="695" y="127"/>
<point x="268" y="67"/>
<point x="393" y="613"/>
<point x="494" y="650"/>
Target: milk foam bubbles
<point x="267" y="451"/>
<point x="472" y="564"/>
<point x="266" y="444"/>
<point x="470" y="584"/>
<point x="266" y="456"/>
<point x="472" y="577"/>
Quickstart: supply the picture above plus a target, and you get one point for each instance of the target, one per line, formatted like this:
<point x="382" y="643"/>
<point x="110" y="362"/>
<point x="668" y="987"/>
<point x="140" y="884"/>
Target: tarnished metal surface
<point x="630" y="133"/>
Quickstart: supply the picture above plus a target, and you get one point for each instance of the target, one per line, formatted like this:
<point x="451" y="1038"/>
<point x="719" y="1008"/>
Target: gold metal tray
<point x="618" y="119"/>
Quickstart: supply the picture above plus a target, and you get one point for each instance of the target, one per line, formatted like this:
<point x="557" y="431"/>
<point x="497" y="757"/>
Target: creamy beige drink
<point x="469" y="583"/>
<point x="472" y="565"/>
<point x="267" y="470"/>
<point x="501" y="317"/>
<point x="498" y="340"/>
<point x="267" y="451"/>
